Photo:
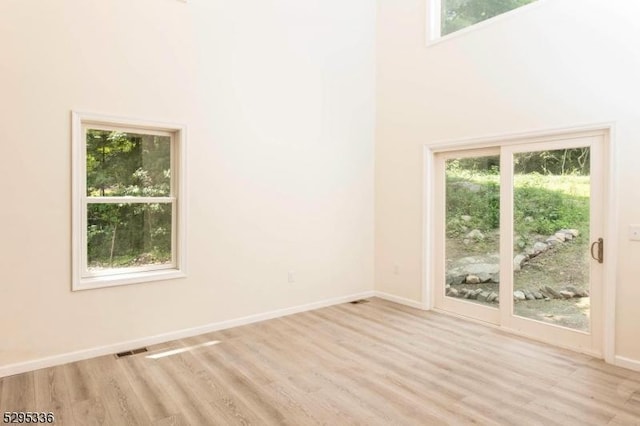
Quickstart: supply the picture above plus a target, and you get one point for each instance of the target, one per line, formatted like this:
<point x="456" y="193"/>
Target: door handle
<point x="600" y="255"/>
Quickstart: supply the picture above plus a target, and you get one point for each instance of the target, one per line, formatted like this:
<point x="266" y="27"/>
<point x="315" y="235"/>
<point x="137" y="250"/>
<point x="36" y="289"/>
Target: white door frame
<point x="606" y="131"/>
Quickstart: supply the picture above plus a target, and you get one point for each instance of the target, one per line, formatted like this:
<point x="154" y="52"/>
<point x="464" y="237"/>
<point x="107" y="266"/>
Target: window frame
<point x="82" y="278"/>
<point x="434" y="21"/>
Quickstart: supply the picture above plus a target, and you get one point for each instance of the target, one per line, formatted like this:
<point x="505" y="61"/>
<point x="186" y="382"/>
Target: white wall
<point x="557" y="64"/>
<point x="278" y="98"/>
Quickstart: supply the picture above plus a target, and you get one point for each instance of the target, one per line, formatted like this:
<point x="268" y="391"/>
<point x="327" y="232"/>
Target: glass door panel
<point x="472" y="234"/>
<point x="551" y="231"/>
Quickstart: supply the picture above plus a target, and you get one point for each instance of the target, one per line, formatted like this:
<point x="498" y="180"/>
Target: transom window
<point x="449" y="16"/>
<point x="128" y="202"/>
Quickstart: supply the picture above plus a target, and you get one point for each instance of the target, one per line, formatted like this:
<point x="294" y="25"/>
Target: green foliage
<point x="559" y="162"/>
<point x="543" y="204"/>
<point x="542" y="210"/>
<point x="459" y="14"/>
<point x="481" y="202"/>
<point x="120" y="164"/>
<point x="575" y="161"/>
<point x="473" y="190"/>
<point x="128" y="165"/>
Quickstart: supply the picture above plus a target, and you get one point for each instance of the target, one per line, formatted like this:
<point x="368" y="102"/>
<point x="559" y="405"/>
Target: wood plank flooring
<point x="375" y="363"/>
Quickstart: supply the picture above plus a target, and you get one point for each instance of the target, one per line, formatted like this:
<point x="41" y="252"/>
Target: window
<point x="128" y="201"/>
<point x="449" y="16"/>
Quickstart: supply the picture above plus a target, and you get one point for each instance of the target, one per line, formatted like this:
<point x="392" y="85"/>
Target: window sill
<point x="91" y="283"/>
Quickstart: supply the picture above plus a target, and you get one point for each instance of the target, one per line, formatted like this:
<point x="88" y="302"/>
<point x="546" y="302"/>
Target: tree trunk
<point x="113" y="244"/>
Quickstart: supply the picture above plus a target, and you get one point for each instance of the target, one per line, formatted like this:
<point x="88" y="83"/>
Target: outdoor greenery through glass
<point x="459" y="14"/>
<point x="125" y="235"/>
<point x="128" y="164"/>
<point x="473" y="223"/>
<point x="551" y="193"/>
<point x="131" y="233"/>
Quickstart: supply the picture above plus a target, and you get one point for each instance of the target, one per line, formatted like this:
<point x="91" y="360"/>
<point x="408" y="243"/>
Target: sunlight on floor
<point x="181" y="350"/>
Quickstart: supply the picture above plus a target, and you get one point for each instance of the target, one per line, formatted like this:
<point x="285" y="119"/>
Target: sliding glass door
<point x="517" y="238"/>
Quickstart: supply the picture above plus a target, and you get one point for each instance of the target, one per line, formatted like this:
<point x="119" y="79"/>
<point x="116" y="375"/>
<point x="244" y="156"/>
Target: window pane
<point x="551" y="198"/>
<point x="472" y="243"/>
<point x="459" y="14"/>
<point x="128" y="235"/>
<point x="127" y="164"/>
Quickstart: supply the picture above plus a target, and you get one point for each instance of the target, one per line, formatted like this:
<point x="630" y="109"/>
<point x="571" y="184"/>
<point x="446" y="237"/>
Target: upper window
<point x="128" y="201"/>
<point x="450" y="16"/>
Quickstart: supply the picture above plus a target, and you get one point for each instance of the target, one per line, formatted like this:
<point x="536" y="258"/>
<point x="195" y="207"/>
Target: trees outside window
<point x="454" y="15"/>
<point x="128" y="190"/>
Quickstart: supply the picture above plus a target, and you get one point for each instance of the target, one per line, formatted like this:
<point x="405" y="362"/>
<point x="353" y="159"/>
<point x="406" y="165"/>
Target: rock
<point x="486" y="268"/>
<point x="560" y="236"/>
<point x="578" y="292"/>
<point x="452" y="292"/>
<point x="540" y="247"/>
<point x="463" y="291"/>
<point x="465" y="218"/>
<point x="538" y="295"/>
<point x="552" y="293"/>
<point x="475" y="235"/>
<point x="466" y="241"/>
<point x="472" y="279"/>
<point x="567" y="294"/>
<point x="573" y="232"/>
<point x="518" y="261"/>
<point x="567" y="235"/>
<point x="455" y="277"/>
<point x="528" y="295"/>
<point x="484" y="271"/>
<point x="519" y="295"/>
<point x="552" y="241"/>
<point x="491" y="258"/>
<point x="492" y="297"/>
<point x="483" y="296"/>
<point x="471" y="295"/>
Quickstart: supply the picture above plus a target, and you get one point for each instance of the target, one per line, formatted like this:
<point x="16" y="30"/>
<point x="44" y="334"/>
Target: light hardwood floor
<point x="373" y="363"/>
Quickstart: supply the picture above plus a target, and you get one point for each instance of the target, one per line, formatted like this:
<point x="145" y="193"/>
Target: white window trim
<point x="81" y="279"/>
<point x="433" y="28"/>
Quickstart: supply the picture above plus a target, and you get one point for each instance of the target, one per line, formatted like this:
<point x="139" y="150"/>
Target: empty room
<point x="301" y="212"/>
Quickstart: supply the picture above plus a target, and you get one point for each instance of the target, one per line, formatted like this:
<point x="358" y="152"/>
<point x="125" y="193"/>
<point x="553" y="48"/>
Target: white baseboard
<point x="23" y="367"/>
<point x="400" y="300"/>
<point x="631" y="364"/>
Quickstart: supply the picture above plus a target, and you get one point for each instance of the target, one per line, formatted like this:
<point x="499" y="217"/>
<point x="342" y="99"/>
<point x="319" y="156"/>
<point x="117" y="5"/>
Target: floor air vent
<point x="133" y="352"/>
<point x="357" y="302"/>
